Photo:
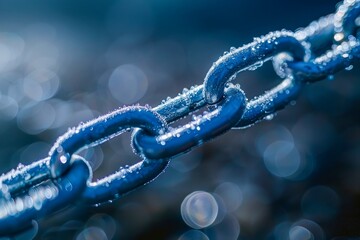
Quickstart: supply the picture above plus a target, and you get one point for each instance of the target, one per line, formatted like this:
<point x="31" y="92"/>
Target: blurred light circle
<point x="186" y="163"/>
<point x="320" y="202"/>
<point x="94" y="156"/>
<point x="40" y="48"/>
<point x="282" y="159"/>
<point x="36" y="150"/>
<point x="8" y="108"/>
<point x="281" y="231"/>
<point x="41" y="84"/>
<point x="11" y="48"/>
<point x="314" y="133"/>
<point x="105" y="222"/>
<point x="276" y="133"/>
<point x="199" y="209"/>
<point x="36" y="118"/>
<point x="29" y="233"/>
<point x="307" y="166"/>
<point x="193" y="234"/>
<point x="222" y="210"/>
<point x="63" y="109"/>
<point x="228" y="229"/>
<point x="306" y="228"/>
<point x="255" y="206"/>
<point x="41" y="31"/>
<point x="78" y="111"/>
<point x="231" y="195"/>
<point x="92" y="233"/>
<point x="300" y="233"/>
<point x="128" y="84"/>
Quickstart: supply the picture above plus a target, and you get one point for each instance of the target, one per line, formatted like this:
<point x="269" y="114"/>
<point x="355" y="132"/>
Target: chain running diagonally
<point x="318" y="51"/>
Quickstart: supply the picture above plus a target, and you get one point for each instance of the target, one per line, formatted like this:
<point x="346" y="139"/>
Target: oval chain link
<point x="63" y="178"/>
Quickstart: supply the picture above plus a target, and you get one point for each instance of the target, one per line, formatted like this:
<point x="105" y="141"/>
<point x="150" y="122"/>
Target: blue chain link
<point x="346" y="20"/>
<point x="323" y="48"/>
<point x="203" y="128"/>
<point x="19" y="208"/>
<point x="100" y="130"/>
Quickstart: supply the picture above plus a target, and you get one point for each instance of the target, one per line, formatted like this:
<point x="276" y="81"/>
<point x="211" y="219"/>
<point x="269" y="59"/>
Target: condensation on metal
<point x="101" y="130"/>
<point x="312" y="53"/>
<point x="20" y="208"/>
<point x="203" y="128"/>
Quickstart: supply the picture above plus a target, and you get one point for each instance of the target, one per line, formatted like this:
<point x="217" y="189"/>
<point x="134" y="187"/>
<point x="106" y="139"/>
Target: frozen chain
<point x="318" y="51"/>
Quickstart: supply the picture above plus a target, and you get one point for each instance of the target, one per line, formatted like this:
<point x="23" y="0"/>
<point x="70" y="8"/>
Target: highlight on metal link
<point x="322" y="49"/>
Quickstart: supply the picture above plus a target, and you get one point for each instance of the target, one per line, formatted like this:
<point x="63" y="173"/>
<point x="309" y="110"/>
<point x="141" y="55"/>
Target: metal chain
<point x="316" y="52"/>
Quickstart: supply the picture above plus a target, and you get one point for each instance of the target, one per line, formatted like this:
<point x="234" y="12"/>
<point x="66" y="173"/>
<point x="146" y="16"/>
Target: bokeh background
<point x="295" y="176"/>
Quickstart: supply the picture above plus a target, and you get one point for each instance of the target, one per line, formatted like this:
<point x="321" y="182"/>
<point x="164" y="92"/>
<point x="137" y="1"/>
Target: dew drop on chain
<point x="269" y="117"/>
<point x="256" y="66"/>
<point x="350" y="67"/>
<point x="232" y="49"/>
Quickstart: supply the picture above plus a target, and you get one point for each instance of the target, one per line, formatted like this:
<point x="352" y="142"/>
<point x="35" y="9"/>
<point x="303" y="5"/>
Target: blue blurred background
<point x="293" y="177"/>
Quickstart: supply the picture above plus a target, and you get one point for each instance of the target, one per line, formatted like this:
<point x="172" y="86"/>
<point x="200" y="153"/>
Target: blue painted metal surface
<point x="102" y="129"/>
<point x="180" y="106"/>
<point x="30" y="192"/>
<point x="222" y="118"/>
<point x="330" y="63"/>
<point x="345" y="21"/>
<point x="249" y="57"/>
<point x="17" y="210"/>
<point x="123" y="181"/>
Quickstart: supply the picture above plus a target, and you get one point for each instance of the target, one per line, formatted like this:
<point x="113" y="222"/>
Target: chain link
<point x="313" y="53"/>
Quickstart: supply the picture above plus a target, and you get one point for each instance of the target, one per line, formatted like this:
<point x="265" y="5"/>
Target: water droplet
<point x="300" y="232"/>
<point x="185" y="90"/>
<point x="27" y="176"/>
<point x="162" y="143"/>
<point x="256" y="65"/>
<point x="330" y="77"/>
<point x="269" y="117"/>
<point x="68" y="186"/>
<point x="349" y="68"/>
<point x="232" y="49"/>
<point x="63" y="159"/>
<point x="338" y="37"/>
<point x="230" y="64"/>
<point x="37" y="203"/>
